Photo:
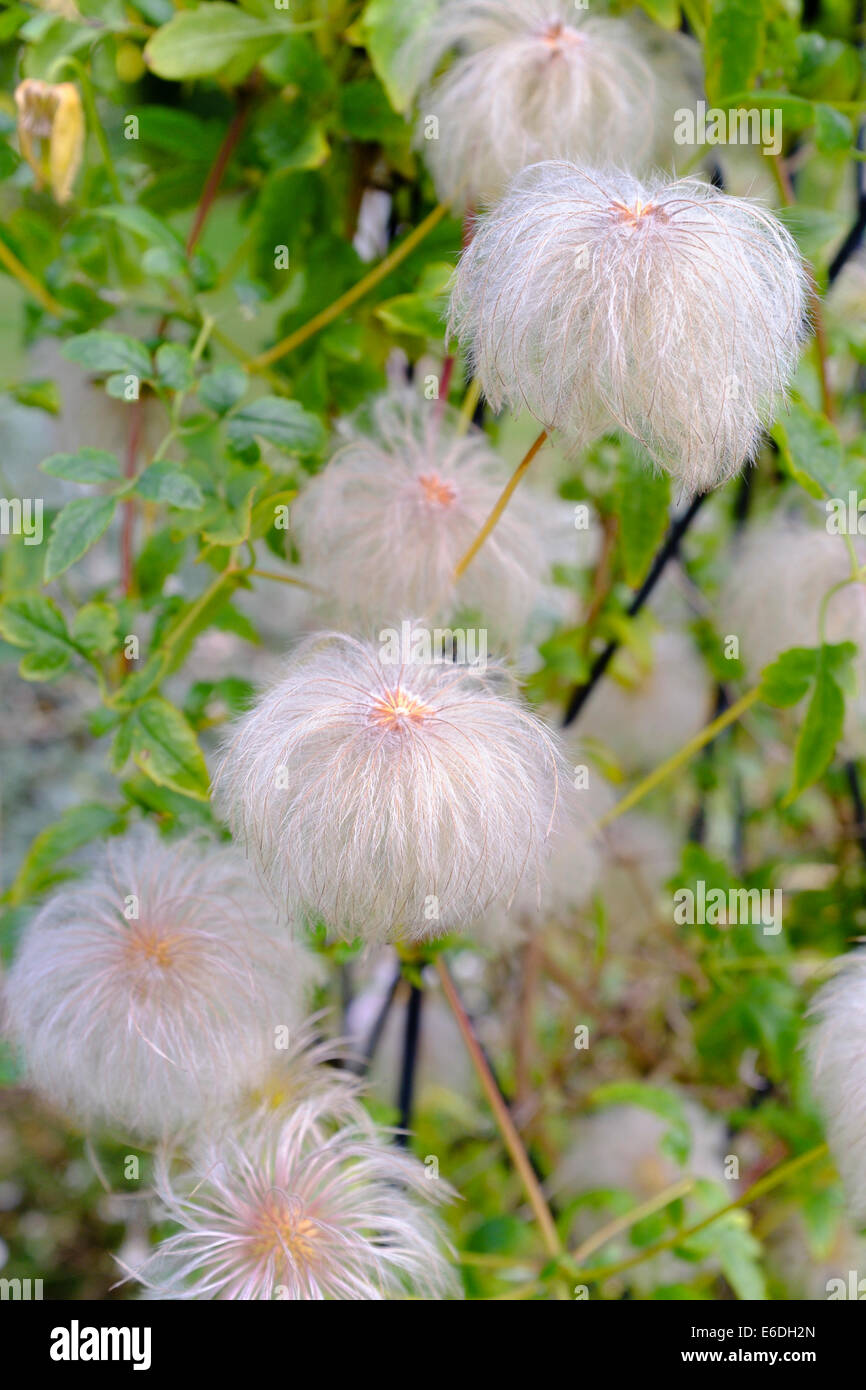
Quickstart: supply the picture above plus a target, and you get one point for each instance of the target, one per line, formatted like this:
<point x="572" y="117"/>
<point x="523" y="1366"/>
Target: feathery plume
<point x="837" y="1049"/>
<point x="665" y="309"/>
<point x="382" y="527"/>
<point x="621" y="1146"/>
<point x="390" y="798"/>
<point x="533" y="79"/>
<point x="626" y="1148"/>
<point x="301" y="1207"/>
<point x="151" y="991"/>
<point x="792" y="566"/>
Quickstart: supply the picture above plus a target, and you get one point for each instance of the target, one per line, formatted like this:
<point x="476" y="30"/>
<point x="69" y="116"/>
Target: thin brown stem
<point x="217" y="171"/>
<point x="507" y="1128"/>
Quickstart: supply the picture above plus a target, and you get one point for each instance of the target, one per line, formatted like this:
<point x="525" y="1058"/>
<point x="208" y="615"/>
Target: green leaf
<point x="264" y="511"/>
<point x="223" y="387"/>
<point x="785" y="681"/>
<point x="159" y="557"/>
<point x="215" y="36"/>
<point x="94" y="628"/>
<point x="77" y="827"/>
<point x="284" y="423"/>
<point x="833" y="130"/>
<point x="43" y="666"/>
<point x="643" y="497"/>
<point x="820" y="731"/>
<point x="812" y="451"/>
<point x="37" y="395"/>
<point x="366" y="114"/>
<point x="101" y="351"/>
<point x="728" y="1240"/>
<point x="175" y="367"/>
<point x="87" y="466"/>
<point x="664" y="12"/>
<point x="141" y="222"/>
<point x="734" y="46"/>
<point x="384" y="28"/>
<point x="75" y="530"/>
<point x="166" y="482"/>
<point x="163" y="745"/>
<point x="35" y="622"/>
<point x="178" y="132"/>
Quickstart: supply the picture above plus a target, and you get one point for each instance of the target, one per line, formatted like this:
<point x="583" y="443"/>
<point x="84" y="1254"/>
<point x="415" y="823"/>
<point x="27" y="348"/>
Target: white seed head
<point x="837" y="1058"/>
<point x="149" y="992"/>
<point x="533" y="79"/>
<point x="792" y="566"/>
<point x="665" y="309"/>
<point x="626" y="1148"/>
<point x="301" y="1207"/>
<point x="302" y="1065"/>
<point x="643" y="712"/>
<point x="622" y="1146"/>
<point x="775" y="581"/>
<point x="391" y="800"/>
<point x="382" y="528"/>
<point x="573" y="871"/>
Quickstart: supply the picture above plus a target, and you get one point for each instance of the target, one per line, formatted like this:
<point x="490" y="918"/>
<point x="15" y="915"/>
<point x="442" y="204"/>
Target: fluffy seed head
<point x="382" y="528"/>
<point x="391" y="800"/>
<point x="622" y="1146"/>
<point x="791" y="565"/>
<point x="533" y="79"/>
<point x="627" y="1148"/>
<point x="665" y="309"/>
<point x="837" y="1056"/>
<point x="150" y="992"/>
<point x="301" y="1207"/>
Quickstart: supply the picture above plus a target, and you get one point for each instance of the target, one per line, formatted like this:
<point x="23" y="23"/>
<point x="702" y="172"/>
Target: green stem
<point x="664" y="770"/>
<point x="758" y="1189"/>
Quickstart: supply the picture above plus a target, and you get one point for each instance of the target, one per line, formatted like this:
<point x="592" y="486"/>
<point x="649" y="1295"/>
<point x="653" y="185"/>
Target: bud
<point x="51" y="132"/>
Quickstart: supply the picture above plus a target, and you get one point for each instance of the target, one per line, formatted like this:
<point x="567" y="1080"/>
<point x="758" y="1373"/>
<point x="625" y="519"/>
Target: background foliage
<point x="229" y="148"/>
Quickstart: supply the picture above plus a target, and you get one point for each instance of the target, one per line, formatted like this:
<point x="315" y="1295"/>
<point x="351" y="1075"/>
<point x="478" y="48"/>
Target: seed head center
<point x="397" y="709"/>
<point x="558" y="36"/>
<point x="282" y="1230"/>
<point x="149" y="944"/>
<point x="637" y="215"/>
<point x="436" y="490"/>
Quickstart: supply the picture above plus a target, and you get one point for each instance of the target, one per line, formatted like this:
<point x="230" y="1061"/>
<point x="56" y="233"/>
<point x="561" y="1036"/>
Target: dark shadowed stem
<point x="411" y="1039"/>
<point x="851" y="244"/>
<point x="698" y="827"/>
<point x="362" y="1066"/>
<point x="853" y="776"/>
<point x="668" y="550"/>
